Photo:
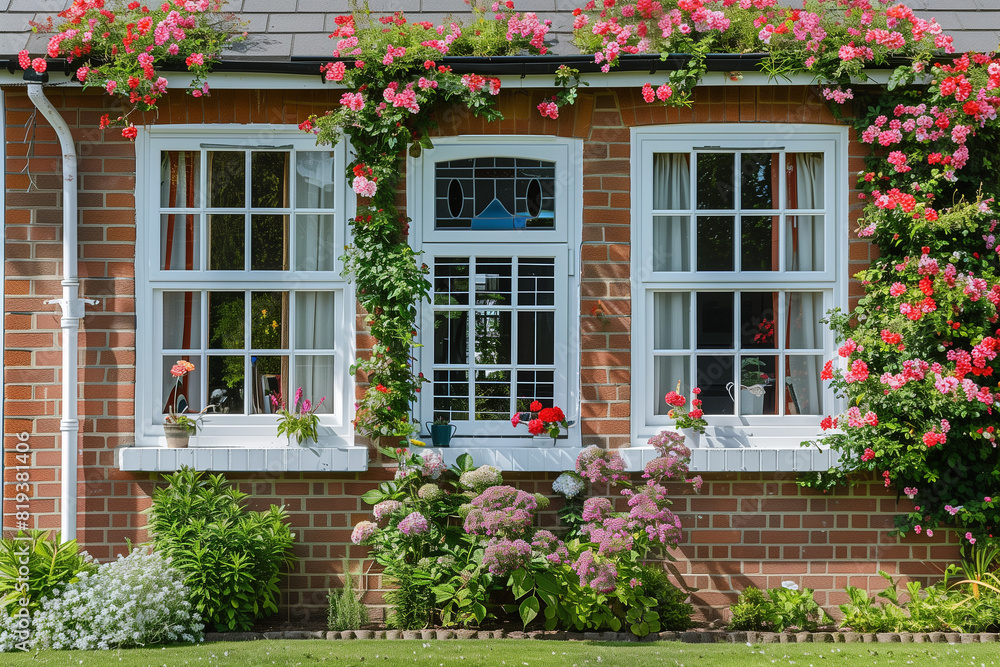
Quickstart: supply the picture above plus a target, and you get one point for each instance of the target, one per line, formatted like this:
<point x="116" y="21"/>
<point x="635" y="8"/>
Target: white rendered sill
<point x="513" y="459"/>
<point x="742" y="459"/>
<point x="244" y="459"/>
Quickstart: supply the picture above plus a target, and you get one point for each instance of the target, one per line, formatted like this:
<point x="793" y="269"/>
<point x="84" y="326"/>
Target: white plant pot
<point x="752" y="400"/>
<point x="692" y="438"/>
<point x="543" y="441"/>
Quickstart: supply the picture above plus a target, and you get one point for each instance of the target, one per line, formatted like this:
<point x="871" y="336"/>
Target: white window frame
<point x="726" y="435"/>
<point x="563" y="242"/>
<point x="234" y="431"/>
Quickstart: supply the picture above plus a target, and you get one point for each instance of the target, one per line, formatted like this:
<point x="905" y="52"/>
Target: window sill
<point x="513" y="459"/>
<point x="244" y="459"/>
<point x="742" y="459"/>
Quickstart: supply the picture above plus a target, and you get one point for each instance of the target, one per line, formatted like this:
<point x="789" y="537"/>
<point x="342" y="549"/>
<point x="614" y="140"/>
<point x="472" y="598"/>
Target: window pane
<point x="536" y="283"/>
<point x="671" y="243"/>
<point x="759" y="180"/>
<point x="180" y="179"/>
<point x="269" y="242"/>
<point x="314" y="248"/>
<point x="804" y="390"/>
<point x="804" y="180"/>
<point x="451" y="337"/>
<point x="671" y="181"/>
<point x="225" y="242"/>
<point x="269" y="180"/>
<point x="451" y="281"/>
<point x="183" y="394"/>
<point x="493" y="280"/>
<point x="227" y="179"/>
<point x="757" y="385"/>
<point x="269" y="322"/>
<point x="671" y="320"/>
<point x="315" y="328"/>
<point x="667" y="372"/>
<point x="759" y="243"/>
<point x="805" y="310"/>
<point x="493" y="337"/>
<point x="536" y="337"/>
<point x="715" y="243"/>
<point x="451" y="395"/>
<point x="179" y="250"/>
<point x="495" y="193"/>
<point x="715" y="320"/>
<point x="716" y="379"/>
<point x="226" y="321"/>
<point x="493" y="396"/>
<point x="317" y="377"/>
<point x="315" y="179"/>
<point x="225" y="384"/>
<point x="268" y="374"/>
<point x="715" y="180"/>
<point x="757" y="320"/>
<point x="181" y="320"/>
<point x="804" y="243"/>
<point x="534" y="385"/>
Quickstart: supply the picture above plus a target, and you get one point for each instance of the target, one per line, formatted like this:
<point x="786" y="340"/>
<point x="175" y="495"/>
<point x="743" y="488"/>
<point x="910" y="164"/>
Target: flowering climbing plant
<point x="918" y="361"/>
<point x="396" y="90"/>
<point x="119" y="47"/>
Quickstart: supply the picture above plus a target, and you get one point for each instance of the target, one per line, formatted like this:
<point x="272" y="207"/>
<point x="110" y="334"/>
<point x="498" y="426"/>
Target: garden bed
<point x="688" y="637"/>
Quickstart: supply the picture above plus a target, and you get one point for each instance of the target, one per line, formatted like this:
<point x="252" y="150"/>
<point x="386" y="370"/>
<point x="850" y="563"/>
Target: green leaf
<point x="373" y="497"/>
<point x="521" y="583"/>
<point x="528" y="610"/>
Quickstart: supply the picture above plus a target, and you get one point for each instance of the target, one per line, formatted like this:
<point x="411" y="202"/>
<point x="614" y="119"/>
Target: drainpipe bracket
<point x="73" y="309"/>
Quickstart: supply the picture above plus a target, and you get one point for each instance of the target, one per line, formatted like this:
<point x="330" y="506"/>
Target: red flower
<point x="827" y="373"/>
<point x="868" y="455"/>
<point x="382" y="388"/>
<point x="674" y="399"/>
<point x="535" y="427"/>
<point x="548" y="415"/>
<point x="130" y="132"/>
<point x="535" y="406"/>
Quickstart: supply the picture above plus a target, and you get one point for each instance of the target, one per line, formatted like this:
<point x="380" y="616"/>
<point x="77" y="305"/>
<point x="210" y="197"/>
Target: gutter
<point x="72" y="308"/>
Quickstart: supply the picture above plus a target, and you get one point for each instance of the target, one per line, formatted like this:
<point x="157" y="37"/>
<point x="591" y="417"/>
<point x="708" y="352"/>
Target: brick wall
<point x="742" y="529"/>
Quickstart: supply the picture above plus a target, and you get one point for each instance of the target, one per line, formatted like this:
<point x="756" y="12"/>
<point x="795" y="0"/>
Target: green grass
<point x="519" y="653"/>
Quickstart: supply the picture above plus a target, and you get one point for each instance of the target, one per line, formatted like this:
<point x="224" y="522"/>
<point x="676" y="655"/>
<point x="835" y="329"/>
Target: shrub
<point x="346" y="611"/>
<point x="675" y="613"/>
<point x="51" y="564"/>
<point x="753" y="611"/>
<point x="232" y="558"/>
<point x="137" y="600"/>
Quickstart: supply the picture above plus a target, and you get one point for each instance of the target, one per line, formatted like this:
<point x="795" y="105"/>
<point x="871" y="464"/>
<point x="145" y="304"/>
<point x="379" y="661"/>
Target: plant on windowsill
<point x="542" y="422"/>
<point x="178" y="428"/>
<point x="692" y="419"/>
<point x="301" y="422"/>
<point x="442" y="431"/>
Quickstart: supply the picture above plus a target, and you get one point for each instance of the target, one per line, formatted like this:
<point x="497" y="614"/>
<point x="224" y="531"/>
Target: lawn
<point x="519" y="653"/>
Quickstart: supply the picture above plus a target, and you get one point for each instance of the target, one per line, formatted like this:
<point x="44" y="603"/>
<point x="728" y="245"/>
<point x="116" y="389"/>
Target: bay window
<point x="239" y="274"/>
<point x="741" y="238"/>
<point x="499" y="233"/>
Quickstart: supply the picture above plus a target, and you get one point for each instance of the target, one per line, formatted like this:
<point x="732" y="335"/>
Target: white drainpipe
<point x="72" y="312"/>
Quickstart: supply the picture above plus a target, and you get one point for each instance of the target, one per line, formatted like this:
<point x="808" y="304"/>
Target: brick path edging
<point x="690" y="637"/>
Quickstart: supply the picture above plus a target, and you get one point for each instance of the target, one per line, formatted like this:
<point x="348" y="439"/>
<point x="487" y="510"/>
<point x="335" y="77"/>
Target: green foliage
<point x="753" y="611"/>
<point x="51" y="565"/>
<point x="778" y="609"/>
<point x="346" y="610"/>
<point x="232" y="558"/>
<point x="411" y="601"/>
<point x="675" y="614"/>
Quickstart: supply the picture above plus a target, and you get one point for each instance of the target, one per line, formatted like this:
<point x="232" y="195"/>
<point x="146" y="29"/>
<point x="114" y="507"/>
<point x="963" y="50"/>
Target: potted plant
<point x="301" y="422"/>
<point x="753" y="385"/>
<point x="178" y="428"/>
<point x="691" y="422"/>
<point x="545" y="424"/>
<point x="442" y="431"/>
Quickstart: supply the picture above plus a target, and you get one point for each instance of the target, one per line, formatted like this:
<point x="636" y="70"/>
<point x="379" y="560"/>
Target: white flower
<point x="790" y="585"/>
<point x="568" y="485"/>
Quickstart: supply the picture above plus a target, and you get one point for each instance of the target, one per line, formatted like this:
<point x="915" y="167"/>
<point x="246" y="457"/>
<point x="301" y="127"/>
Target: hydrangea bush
<point x="452" y="545"/>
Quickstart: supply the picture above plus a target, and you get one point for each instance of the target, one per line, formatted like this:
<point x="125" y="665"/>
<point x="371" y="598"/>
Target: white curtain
<point x="671" y="191"/>
<point x="805" y="253"/>
<point x="314" y="311"/>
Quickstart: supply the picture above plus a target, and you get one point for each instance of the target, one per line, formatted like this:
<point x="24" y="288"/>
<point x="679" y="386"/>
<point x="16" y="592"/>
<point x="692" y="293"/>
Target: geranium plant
<point x="299" y="420"/>
<point x="189" y="423"/>
<point x="118" y="47"/>
<point x="541" y="420"/>
<point x="693" y="417"/>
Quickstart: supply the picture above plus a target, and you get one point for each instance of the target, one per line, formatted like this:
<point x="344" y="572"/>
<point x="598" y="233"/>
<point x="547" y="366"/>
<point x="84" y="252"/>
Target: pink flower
<point x="648" y="94"/>
<point x="363" y="186"/>
<point x="664" y="92"/>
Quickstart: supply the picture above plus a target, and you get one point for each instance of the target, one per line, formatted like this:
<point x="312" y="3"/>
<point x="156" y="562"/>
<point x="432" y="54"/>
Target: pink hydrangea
<point x="414" y="524"/>
<point x="363" y="532"/>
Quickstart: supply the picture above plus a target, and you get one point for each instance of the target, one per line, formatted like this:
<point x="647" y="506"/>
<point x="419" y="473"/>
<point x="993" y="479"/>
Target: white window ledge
<point x="513" y="459"/>
<point x="742" y="459"/>
<point x="244" y="459"/>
